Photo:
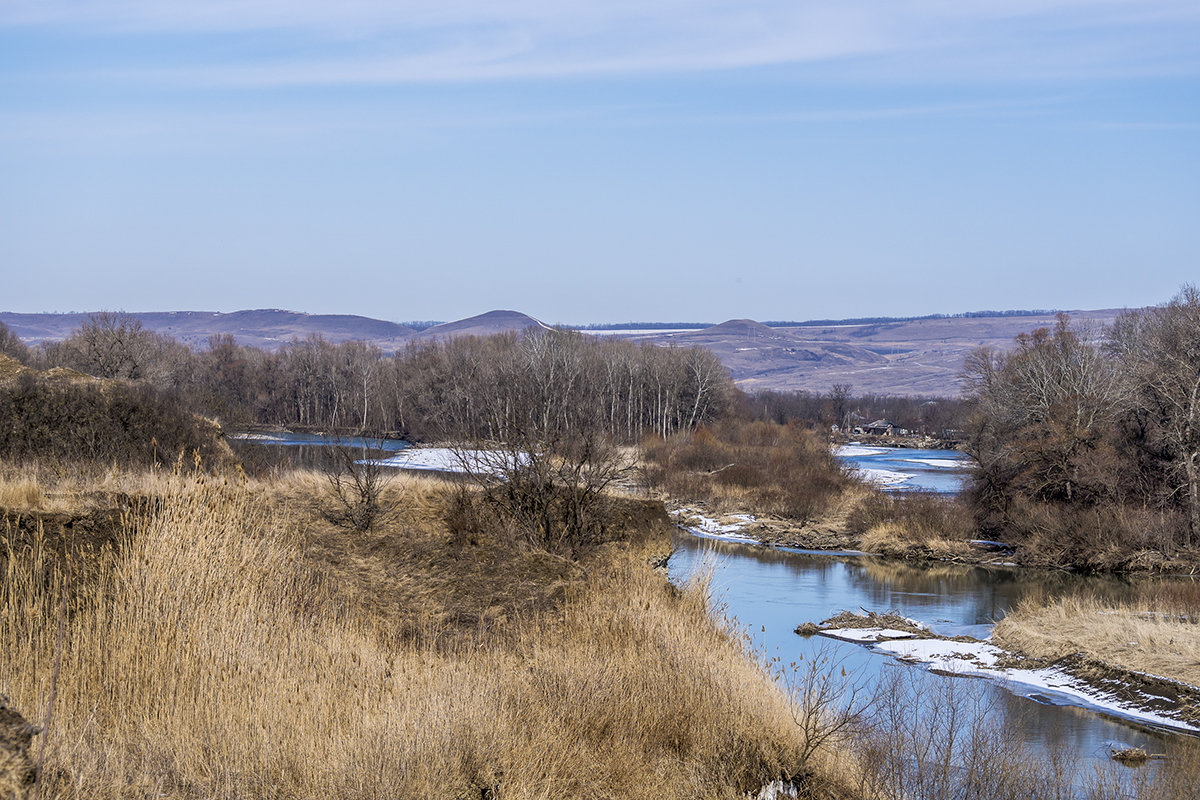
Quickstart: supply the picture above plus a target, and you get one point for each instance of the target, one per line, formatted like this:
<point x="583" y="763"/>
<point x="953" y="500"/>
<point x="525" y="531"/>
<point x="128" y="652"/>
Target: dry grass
<point x="913" y="526"/>
<point x="224" y="648"/>
<point x="1157" y="633"/>
<point x="22" y="494"/>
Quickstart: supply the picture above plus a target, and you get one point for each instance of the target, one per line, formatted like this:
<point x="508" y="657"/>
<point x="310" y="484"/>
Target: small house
<point x="880" y="427"/>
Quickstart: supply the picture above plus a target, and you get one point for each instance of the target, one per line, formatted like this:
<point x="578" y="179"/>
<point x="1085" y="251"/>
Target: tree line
<point x="433" y="388"/>
<point x="1087" y="441"/>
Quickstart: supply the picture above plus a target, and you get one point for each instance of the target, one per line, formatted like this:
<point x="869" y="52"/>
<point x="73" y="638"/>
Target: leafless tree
<point x="112" y="345"/>
<point x="830" y="703"/>
<point x="1160" y="348"/>
<point x="11" y="345"/>
<point x="1045" y="410"/>
<point x="536" y="439"/>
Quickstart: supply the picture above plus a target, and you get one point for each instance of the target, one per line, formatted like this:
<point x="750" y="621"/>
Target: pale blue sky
<point x="587" y="161"/>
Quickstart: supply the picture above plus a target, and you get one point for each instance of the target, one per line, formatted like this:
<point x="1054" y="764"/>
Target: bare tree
<point x="11" y="345"/>
<point x="830" y="703"/>
<point x="112" y="345"/>
<point x="1161" y="349"/>
<point x="1046" y="411"/>
<point x="536" y="438"/>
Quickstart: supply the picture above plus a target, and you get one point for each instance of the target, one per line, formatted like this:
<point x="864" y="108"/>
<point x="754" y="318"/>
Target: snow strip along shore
<point x="726" y="528"/>
<point x="1138" y="697"/>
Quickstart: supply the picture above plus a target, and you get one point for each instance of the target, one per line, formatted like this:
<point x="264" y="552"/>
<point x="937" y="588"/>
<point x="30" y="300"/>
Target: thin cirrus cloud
<point x="377" y="42"/>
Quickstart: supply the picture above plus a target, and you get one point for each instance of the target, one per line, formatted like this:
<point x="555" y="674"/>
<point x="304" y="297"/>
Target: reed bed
<point x="207" y="654"/>
<point x="1157" y="632"/>
<point x="912" y="525"/>
<point x="761" y="467"/>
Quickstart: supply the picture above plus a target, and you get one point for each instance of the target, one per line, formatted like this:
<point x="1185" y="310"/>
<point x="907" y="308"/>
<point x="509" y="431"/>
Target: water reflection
<point x="262" y="454"/>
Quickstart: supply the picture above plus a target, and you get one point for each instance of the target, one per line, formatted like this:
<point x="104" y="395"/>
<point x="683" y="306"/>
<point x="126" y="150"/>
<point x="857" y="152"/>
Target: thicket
<point x="913" y="525"/>
<point x="67" y="419"/>
<point x="1087" y="443"/>
<point x="937" y="417"/>
<point x="762" y="467"/>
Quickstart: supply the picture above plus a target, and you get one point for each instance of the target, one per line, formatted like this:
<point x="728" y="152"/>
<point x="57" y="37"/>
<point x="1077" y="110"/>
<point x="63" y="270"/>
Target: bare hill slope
<point x="903" y="358"/>
<point x="488" y="324"/>
<point x="268" y="328"/>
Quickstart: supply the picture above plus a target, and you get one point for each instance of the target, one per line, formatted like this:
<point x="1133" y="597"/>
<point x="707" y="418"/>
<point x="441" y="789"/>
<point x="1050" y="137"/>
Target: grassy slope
<point x="234" y="644"/>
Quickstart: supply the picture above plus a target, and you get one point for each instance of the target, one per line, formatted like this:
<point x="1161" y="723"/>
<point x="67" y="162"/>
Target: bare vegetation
<point x="760" y="467"/>
<point x="913" y="525"/>
<point x="73" y="419"/>
<point x="948" y="740"/>
<point x="228" y="643"/>
<point x="357" y="485"/>
<point x="1087" y="442"/>
<point x="316" y="384"/>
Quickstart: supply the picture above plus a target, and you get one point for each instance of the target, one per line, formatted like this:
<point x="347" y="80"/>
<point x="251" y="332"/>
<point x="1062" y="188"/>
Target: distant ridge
<point x="883" y="355"/>
<point x="738" y="327"/>
<point x="265" y="327"/>
<point x="1041" y="312"/>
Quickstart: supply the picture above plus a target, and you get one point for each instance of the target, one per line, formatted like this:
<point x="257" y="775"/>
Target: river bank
<point x="1041" y="646"/>
<point x="1075" y="679"/>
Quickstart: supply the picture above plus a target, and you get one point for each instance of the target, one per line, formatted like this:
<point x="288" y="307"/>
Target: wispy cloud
<point x="406" y="41"/>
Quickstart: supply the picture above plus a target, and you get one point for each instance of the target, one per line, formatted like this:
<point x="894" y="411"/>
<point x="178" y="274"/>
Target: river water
<point x="769" y="591"/>
<point x="261" y="453"/>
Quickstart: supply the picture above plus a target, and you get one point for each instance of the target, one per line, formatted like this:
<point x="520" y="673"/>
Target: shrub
<point x="771" y="468"/>
<point x="47" y="418"/>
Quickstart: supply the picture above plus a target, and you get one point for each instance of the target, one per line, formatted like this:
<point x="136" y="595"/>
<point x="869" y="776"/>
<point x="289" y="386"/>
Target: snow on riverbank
<point x="854" y="450"/>
<point x="727" y="528"/>
<point x="940" y="463"/>
<point x="445" y="459"/>
<point x="867" y="635"/>
<point x="1047" y="684"/>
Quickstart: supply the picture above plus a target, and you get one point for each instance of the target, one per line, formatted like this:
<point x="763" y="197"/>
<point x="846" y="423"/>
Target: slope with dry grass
<point x="227" y="643"/>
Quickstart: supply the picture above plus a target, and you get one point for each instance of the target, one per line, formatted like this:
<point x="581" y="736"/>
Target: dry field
<point x="216" y="638"/>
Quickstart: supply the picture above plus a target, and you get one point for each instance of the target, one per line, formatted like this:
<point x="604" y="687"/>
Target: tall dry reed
<point x="207" y="658"/>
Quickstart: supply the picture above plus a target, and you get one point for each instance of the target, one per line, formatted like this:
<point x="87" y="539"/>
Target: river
<point x="769" y="591"/>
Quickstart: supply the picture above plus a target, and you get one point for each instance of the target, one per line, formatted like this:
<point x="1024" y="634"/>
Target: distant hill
<point x="488" y="324"/>
<point x="268" y="328"/>
<point x="883" y="356"/>
<point x="913" y="357"/>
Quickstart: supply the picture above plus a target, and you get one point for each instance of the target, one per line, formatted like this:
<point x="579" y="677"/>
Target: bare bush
<point x="771" y="468"/>
<point x="831" y="705"/>
<point x="950" y="740"/>
<point x="538" y="444"/>
<point x="356" y="482"/>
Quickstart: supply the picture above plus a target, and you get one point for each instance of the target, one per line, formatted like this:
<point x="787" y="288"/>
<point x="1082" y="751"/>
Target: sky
<point x="612" y="161"/>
